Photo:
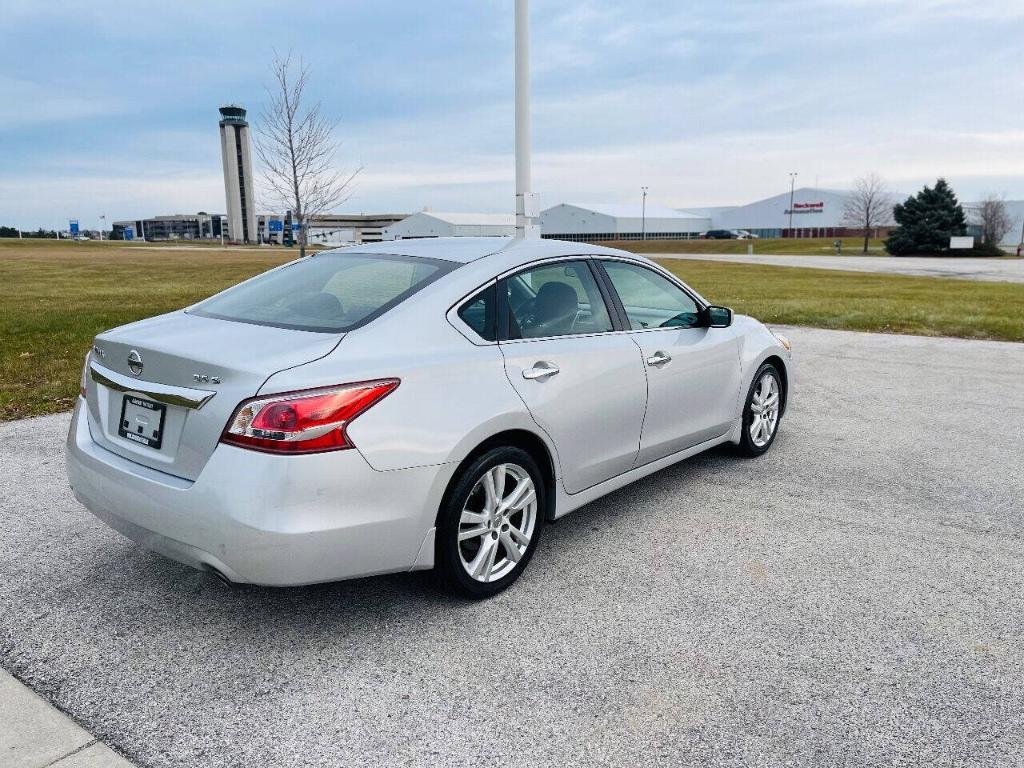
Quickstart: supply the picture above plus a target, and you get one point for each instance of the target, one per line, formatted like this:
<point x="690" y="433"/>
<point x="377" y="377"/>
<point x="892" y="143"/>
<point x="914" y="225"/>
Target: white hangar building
<point x="816" y="213"/>
<point x="620" y="222"/>
<point x="434" y="224"/>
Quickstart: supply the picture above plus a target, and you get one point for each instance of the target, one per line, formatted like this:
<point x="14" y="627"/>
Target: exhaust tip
<point x="220" y="576"/>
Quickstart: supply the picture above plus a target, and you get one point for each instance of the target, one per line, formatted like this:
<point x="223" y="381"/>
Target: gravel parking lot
<point x="852" y="598"/>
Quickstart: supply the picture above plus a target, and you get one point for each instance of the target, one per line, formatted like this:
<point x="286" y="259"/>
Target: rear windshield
<point x="329" y="293"/>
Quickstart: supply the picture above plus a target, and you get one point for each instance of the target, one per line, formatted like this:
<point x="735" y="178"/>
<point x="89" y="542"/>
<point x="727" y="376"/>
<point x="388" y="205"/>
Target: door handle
<point x="541" y="370"/>
<point x="659" y="358"/>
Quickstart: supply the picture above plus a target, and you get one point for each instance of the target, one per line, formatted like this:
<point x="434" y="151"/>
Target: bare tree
<point x="993" y="218"/>
<point x="869" y="205"/>
<point x="296" y="145"/>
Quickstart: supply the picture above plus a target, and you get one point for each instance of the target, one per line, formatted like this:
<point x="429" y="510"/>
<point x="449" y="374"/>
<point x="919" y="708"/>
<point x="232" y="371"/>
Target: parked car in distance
<point x="721" y="234"/>
<point x="743" y="234"/>
<point x="409" y="405"/>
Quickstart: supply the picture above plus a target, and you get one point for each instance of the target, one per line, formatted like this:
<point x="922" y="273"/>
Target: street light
<point x="103" y="224"/>
<point x="643" y="214"/>
<point x="792" y="187"/>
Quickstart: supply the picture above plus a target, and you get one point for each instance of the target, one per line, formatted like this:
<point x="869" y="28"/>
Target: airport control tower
<point x="238" y="180"/>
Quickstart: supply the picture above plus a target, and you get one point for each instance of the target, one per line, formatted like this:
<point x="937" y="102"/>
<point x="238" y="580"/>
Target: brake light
<point x="303" y="422"/>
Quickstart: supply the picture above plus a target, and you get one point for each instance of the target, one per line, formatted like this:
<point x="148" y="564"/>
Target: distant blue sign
<point x="73" y="227"/>
<point x="296" y="225"/>
<point x="129" y="233"/>
<point x="275" y="225"/>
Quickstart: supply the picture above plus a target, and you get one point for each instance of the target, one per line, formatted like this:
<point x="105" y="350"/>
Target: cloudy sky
<point x="111" y="108"/>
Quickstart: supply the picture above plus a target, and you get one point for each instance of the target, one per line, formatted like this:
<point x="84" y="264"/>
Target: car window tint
<point x="329" y="292"/>
<point x="650" y="300"/>
<point x="479" y="313"/>
<point x="556" y="300"/>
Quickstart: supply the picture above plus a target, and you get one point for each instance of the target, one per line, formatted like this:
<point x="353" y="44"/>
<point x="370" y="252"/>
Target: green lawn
<point x="861" y="301"/>
<point x="57" y="296"/>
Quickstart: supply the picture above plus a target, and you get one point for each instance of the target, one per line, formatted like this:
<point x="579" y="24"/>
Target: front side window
<point x="651" y="300"/>
<point x="557" y="299"/>
<point x="329" y="292"/>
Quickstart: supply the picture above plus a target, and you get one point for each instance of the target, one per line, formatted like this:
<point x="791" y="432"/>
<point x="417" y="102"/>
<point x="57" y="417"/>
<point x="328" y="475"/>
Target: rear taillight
<point x="83" y="383"/>
<point x="303" y="422"/>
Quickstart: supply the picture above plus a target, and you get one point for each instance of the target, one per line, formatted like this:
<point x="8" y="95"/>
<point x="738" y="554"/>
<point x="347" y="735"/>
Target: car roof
<point x="464" y="250"/>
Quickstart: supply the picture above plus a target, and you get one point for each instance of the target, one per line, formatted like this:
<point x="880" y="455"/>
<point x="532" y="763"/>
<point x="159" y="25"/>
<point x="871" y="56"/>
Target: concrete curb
<point x="37" y="735"/>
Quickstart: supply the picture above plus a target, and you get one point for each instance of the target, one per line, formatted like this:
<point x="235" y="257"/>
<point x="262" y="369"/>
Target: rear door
<point x="693" y="372"/>
<point x="582" y="381"/>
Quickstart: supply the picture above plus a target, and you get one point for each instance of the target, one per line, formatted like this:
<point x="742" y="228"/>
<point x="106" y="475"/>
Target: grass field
<point x="57" y="296"/>
<point x="861" y="301"/>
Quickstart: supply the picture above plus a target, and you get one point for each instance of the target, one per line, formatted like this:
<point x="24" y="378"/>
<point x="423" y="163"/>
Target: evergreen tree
<point x="926" y="221"/>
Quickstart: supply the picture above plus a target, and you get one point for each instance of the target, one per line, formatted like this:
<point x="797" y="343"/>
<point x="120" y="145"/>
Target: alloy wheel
<point x="497" y="522"/>
<point x="764" y="407"/>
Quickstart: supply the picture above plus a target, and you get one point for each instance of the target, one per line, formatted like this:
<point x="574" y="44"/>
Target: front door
<point x="583" y="383"/>
<point x="693" y="373"/>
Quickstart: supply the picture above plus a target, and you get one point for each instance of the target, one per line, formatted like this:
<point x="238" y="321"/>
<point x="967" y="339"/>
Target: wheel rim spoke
<point x="519" y="498"/>
<point x="519" y="536"/>
<point x="494" y="487"/>
<point x="512" y="551"/>
<point x="484" y="560"/>
<point x="472" y="533"/>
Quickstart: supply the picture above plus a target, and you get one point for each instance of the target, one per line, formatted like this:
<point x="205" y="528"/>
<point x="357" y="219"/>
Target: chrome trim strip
<point x="161" y="393"/>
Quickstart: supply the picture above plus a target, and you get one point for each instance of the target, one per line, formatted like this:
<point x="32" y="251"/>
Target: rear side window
<point x="328" y="293"/>
<point x="480" y="314"/>
<point x="559" y="299"/>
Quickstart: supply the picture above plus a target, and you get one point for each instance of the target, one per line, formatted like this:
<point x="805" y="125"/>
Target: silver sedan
<point x="411" y="405"/>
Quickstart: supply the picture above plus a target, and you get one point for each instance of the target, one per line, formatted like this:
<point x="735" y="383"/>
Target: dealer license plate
<point x="142" y="421"/>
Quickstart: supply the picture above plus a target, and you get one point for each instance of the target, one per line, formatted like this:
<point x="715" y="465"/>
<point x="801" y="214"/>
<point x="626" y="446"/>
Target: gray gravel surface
<point x="988" y="270"/>
<point x="852" y="598"/>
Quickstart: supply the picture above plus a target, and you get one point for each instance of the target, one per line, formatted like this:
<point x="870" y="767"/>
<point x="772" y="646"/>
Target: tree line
<point x="47" y="234"/>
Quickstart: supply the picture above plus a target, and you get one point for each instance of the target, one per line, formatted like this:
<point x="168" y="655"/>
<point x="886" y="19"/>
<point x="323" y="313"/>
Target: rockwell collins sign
<point x="807" y="208"/>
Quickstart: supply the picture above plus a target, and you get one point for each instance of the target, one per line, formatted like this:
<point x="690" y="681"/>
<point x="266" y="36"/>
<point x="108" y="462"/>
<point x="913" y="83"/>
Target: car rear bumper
<point x="265" y="519"/>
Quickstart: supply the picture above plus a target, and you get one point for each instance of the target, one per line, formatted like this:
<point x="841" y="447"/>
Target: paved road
<point x="990" y="270"/>
<point x="854" y="597"/>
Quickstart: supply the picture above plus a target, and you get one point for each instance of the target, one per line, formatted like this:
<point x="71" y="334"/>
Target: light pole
<point x="792" y="188"/>
<point x="526" y="201"/>
<point x="103" y="224"/>
<point x="643" y="214"/>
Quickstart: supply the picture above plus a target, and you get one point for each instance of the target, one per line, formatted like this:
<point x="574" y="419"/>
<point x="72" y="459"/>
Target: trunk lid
<point x="167" y="408"/>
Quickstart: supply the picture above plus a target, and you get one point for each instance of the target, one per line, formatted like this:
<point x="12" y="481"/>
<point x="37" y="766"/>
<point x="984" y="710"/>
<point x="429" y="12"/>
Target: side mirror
<point x="717" y="317"/>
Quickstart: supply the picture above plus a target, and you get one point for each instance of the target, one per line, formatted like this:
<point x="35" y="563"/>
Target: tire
<point x="767" y="384"/>
<point x="506" y="518"/>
